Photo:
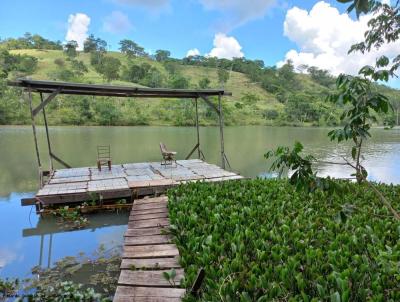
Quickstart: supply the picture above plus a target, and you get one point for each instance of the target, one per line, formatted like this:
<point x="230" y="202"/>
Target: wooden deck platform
<point x="124" y="181"/>
<point x="148" y="253"/>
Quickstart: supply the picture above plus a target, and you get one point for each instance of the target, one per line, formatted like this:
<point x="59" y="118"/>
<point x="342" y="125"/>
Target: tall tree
<point x="92" y="44"/>
<point x="70" y="49"/>
<point x="223" y="76"/>
<point x="162" y="55"/>
<point x="131" y="48"/>
<point x="109" y="68"/>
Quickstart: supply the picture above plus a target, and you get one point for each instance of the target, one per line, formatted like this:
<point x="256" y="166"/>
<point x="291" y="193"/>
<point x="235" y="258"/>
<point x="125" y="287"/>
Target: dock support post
<point x="47" y="133"/>
<point x="221" y="131"/>
<point x="197" y="128"/>
<point x="35" y="137"/>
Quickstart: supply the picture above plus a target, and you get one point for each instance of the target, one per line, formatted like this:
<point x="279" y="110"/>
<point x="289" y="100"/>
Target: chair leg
<point x="98" y="165"/>
<point x="109" y="165"/>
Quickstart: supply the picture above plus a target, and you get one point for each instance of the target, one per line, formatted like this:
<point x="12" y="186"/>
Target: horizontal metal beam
<point x="111" y="90"/>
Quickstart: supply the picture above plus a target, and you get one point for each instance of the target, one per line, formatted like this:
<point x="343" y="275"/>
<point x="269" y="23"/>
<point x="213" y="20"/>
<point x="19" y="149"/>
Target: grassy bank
<point x="260" y="240"/>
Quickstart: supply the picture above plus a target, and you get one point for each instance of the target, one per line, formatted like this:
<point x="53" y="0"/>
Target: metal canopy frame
<point x="53" y="88"/>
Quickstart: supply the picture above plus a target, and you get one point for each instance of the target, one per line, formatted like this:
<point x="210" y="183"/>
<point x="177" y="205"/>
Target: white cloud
<point x="324" y="36"/>
<point x="117" y="23"/>
<point x="78" y="26"/>
<point x="239" y="11"/>
<point x="145" y="3"/>
<point x="226" y="47"/>
<point x="193" y="52"/>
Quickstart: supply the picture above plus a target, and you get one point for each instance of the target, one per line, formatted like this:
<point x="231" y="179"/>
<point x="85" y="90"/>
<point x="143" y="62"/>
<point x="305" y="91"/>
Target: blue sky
<point x="254" y="28"/>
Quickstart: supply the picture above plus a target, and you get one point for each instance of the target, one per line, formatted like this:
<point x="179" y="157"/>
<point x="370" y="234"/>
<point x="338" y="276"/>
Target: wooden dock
<point x="148" y="253"/>
<point x="127" y="181"/>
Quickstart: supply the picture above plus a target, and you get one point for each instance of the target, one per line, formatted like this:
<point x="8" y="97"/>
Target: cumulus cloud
<point x="225" y="47"/>
<point x="324" y="36"/>
<point x="154" y="4"/>
<point x="193" y="52"/>
<point x="239" y="11"/>
<point x="78" y="26"/>
<point x="117" y="23"/>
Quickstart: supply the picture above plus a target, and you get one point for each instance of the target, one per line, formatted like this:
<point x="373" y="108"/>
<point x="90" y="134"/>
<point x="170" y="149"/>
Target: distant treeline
<point x="302" y="102"/>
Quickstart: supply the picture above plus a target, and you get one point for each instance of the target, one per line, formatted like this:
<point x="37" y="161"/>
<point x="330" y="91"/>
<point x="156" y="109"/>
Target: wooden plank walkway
<point x="124" y="181"/>
<point x="148" y="253"/>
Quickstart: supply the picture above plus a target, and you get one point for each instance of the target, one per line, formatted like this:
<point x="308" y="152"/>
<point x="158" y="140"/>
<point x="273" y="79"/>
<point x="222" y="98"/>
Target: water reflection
<point x="26" y="240"/>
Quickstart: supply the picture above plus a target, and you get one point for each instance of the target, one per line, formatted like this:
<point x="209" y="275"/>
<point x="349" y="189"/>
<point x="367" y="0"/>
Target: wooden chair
<point x="167" y="155"/>
<point x="103" y="157"/>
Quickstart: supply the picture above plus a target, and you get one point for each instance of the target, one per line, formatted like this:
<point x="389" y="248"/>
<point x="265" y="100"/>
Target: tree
<point x="321" y="76"/>
<point x="109" y="68"/>
<point x="131" y="48"/>
<point x="179" y="82"/>
<point x="93" y="44"/>
<point x="204" y="83"/>
<point x="162" y="55"/>
<point x="383" y="28"/>
<point x="70" y="49"/>
<point x="223" y="76"/>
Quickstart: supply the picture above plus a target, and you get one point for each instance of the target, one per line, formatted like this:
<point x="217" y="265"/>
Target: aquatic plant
<point x="71" y="217"/>
<point x="263" y="240"/>
<point x="8" y="287"/>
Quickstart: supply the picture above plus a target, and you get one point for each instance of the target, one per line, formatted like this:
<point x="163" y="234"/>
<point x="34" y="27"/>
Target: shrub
<point x="261" y="240"/>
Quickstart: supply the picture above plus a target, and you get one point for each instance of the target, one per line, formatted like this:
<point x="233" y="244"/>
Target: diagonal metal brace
<point x="60" y="160"/>
<point x="45" y="102"/>
<point x="209" y="103"/>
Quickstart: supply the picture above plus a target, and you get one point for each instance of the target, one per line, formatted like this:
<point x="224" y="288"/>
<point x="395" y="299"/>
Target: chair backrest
<point x="103" y="152"/>
<point x="163" y="148"/>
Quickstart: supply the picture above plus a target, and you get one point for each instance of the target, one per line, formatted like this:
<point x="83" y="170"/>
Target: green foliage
<point x="108" y="67"/>
<point x="66" y="291"/>
<point x="8" y="288"/>
<point x="162" y="55"/>
<point x="30" y="42"/>
<point x="223" y="76"/>
<point x="360" y="102"/>
<point x="179" y="82"/>
<point x="261" y="240"/>
<point x="93" y="44"/>
<point x="71" y="217"/>
<point x="70" y="49"/>
<point x="204" y="83"/>
<point x="301" y="167"/>
<point x="321" y="76"/>
<point x="131" y="48"/>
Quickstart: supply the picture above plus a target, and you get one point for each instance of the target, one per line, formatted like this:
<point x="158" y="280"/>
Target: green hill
<point x="265" y="96"/>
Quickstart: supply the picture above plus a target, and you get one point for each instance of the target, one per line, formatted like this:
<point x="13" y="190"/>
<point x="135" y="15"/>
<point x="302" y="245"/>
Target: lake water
<point x="26" y="240"/>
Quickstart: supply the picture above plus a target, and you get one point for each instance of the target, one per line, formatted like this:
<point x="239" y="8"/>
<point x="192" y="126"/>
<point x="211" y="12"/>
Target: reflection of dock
<point x="48" y="227"/>
<point x="124" y="181"/>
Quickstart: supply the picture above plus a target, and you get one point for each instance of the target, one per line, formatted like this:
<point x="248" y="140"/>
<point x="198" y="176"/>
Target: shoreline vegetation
<point x="262" y="95"/>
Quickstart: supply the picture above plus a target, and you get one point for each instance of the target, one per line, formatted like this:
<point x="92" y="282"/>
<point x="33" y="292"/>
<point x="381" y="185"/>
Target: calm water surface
<point x="26" y="240"/>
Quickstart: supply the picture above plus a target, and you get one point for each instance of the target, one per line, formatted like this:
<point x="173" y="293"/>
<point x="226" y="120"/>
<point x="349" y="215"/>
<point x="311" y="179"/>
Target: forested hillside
<point x="261" y="94"/>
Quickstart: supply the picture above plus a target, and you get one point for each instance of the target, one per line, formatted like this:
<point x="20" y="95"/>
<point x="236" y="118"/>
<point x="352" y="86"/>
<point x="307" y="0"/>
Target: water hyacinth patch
<point x="261" y="240"/>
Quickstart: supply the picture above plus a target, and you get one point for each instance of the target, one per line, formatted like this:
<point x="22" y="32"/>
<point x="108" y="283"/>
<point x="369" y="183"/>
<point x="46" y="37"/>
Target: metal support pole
<point x="50" y="247"/>
<point x="34" y="136"/>
<point x="221" y="131"/>
<point x="198" y="130"/>
<point x="47" y="133"/>
<point x="41" y="250"/>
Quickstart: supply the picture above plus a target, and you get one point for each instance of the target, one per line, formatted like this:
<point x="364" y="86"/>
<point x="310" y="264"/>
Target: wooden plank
<point x="153" y="205"/>
<point x="132" y="232"/>
<point x="150" y="200"/>
<point x="151" y="183"/>
<point x="150" y="211"/>
<point x="136" y="217"/>
<point x="150" y="251"/>
<point x="145" y="299"/>
<point x="135" y="292"/>
<point x="149" y="278"/>
<point x="148" y="223"/>
<point x="145" y="240"/>
<point x="28" y="201"/>
<point x="150" y="263"/>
